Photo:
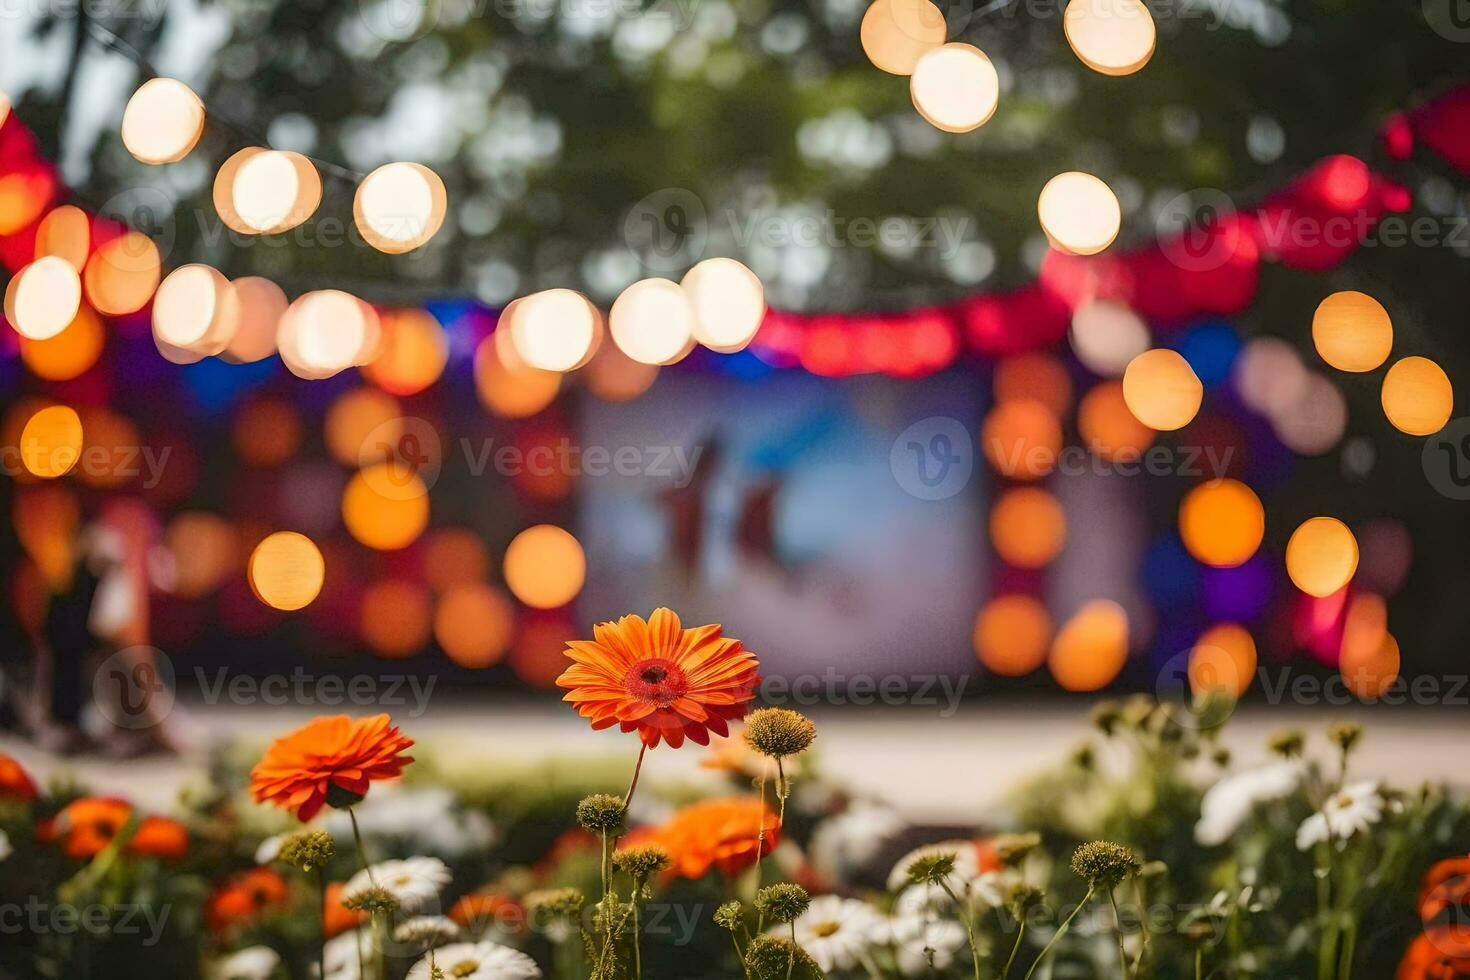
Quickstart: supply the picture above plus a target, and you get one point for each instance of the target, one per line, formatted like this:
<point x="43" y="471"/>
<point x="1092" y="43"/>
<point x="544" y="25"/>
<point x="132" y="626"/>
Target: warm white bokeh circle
<point x="163" y="121"/>
<point x="653" y="321"/>
<point x="1114" y="37"/>
<point x="729" y="303"/>
<point x="43" y="298"/>
<point x="955" y="87"/>
<point x="399" y="207"/>
<point x="193" y="309"/>
<point x="553" y="330"/>
<point x="1079" y="213"/>
<point x="274" y="191"/>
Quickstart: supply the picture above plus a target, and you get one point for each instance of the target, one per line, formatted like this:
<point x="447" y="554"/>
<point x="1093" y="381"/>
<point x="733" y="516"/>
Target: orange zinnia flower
<point x="245" y="897"/>
<point x="331" y="761"/>
<point x="86" y="826"/>
<point x="1439" y="953"/>
<point x="481" y="910"/>
<point x="1446" y="888"/>
<point x="336" y="917"/>
<point x="667" y="682"/>
<point x="15" y="783"/>
<point x="719" y="834"/>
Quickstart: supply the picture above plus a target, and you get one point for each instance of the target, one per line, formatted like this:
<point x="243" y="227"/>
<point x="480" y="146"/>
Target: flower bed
<point x="1145" y="854"/>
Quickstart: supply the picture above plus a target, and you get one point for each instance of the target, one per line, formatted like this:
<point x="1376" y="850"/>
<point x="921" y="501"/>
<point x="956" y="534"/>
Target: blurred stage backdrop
<point x="923" y="462"/>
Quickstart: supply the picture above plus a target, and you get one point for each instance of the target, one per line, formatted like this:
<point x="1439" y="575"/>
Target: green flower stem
<point x="361" y="850"/>
<point x="1199" y="962"/>
<point x="637" y="938"/>
<point x="321" y="880"/>
<point x="1327" y="947"/>
<point x="969" y="921"/>
<point x="791" y="953"/>
<point x="1015" y="948"/>
<point x="760" y="844"/>
<point x="1061" y="930"/>
<point x="1122" y="948"/>
<point x="633" y="786"/>
<point x="739" y="956"/>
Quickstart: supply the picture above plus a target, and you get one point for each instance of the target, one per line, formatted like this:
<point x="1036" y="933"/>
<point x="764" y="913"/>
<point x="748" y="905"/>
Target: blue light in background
<point x="216" y="385"/>
<point x="1210" y="348"/>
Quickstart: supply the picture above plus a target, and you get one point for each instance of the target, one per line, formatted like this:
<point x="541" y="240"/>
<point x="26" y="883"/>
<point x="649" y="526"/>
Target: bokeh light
<point x="1106" y="335"/>
<point x="1114" y="37"/>
<point x="286" y="571"/>
<point x="163" y="121"/>
<point x="399" y="207"/>
<point x="396" y="617"/>
<point x="69" y="353"/>
<point x="193" y="310"/>
<point x="454" y="556"/>
<point x="258" y="307"/>
<point x="1222" y="522"/>
<point x="274" y="191"/>
<point x="955" y="87"/>
<point x="43" y="298"/>
<point x="386" y="521"/>
<point x="205" y="550"/>
<point x="1317" y="421"/>
<point x="653" y="321"/>
<point x="267" y="431"/>
<point x="1028" y="527"/>
<point x="1012" y="633"/>
<point x="411" y="352"/>
<point x="1079" y="213"/>
<point x="357" y="415"/>
<point x="122" y="275"/>
<point x="1321" y="556"/>
<point x="111" y="446"/>
<point x="1161" y="390"/>
<point x="1090" y="649"/>
<point x="896" y="33"/>
<point x="1371" y="672"/>
<point x="1037" y="376"/>
<point x="51" y="442"/>
<point x="66" y="232"/>
<point x="1108" y="427"/>
<point x="1364" y="626"/>
<point x="1417" y="396"/>
<point x="325" y="332"/>
<point x="1270" y="376"/>
<point x="509" y="392"/>
<point x="1022" y="439"/>
<point x="553" y="330"/>
<point x="1223" y="660"/>
<point x="1352" y="331"/>
<point x="545" y="567"/>
<point x="615" y="377"/>
<point x="474" y="623"/>
<point x="729" y="304"/>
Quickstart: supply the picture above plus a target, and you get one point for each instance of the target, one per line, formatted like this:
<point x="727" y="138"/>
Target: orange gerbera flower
<point x="86" y="826"/>
<point x="479" y="911"/>
<point x="329" y="762"/>
<point x="336" y="917"/>
<point x="244" y="897"/>
<point x="160" y="837"/>
<point x="667" y="682"/>
<point x="723" y="834"/>
<point x="15" y="782"/>
<point x="1439" y="953"/>
<point x="1446" y="889"/>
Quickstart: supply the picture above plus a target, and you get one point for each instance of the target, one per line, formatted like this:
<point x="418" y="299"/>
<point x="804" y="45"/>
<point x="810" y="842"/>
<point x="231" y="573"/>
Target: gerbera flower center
<point x="658" y="680"/>
<point x="825" y="929"/>
<point x="464" y="969"/>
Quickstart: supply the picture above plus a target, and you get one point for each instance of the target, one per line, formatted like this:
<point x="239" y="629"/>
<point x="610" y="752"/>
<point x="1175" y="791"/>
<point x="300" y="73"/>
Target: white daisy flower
<point x="835" y="931"/>
<point x="843" y="844"/>
<point x="430" y="929"/>
<point x="252" y="963"/>
<point x="1350" y="811"/>
<point x="269" y="849"/>
<point x="918" y="937"/>
<point x="5" y="849"/>
<point x="342" y="954"/>
<point x="413" y="882"/>
<point x="477" y="961"/>
<point x="1228" y="803"/>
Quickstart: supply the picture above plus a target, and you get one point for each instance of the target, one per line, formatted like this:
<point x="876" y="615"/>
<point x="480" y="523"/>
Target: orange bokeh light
<point x="1223" y="660"/>
<point x="68" y="354"/>
<point x="1091" y="648"/>
<point x="1108" y="427"/>
<point x="545" y="567"/>
<point x="286" y="570"/>
<point x="1037" y="376"/>
<point x="1369" y="672"/>
<point x="1222" y="523"/>
<point x="1028" y="527"/>
<point x="454" y="556"/>
<point x="511" y="392"/>
<point x="51" y="442"/>
<point x="358" y="417"/>
<point x="385" y="508"/>
<point x="474" y="623"/>
<point x="1321" y="556"/>
<point x="1022" y="439"/>
<point x="123" y="274"/>
<point x="1011" y="635"/>
<point x="411" y="355"/>
<point x="267" y="432"/>
<point x="396" y="617"/>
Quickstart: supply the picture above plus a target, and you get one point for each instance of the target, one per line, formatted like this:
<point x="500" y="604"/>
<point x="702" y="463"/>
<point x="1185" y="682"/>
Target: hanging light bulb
<point x="399" y="207"/>
<point x="163" y="121"/>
